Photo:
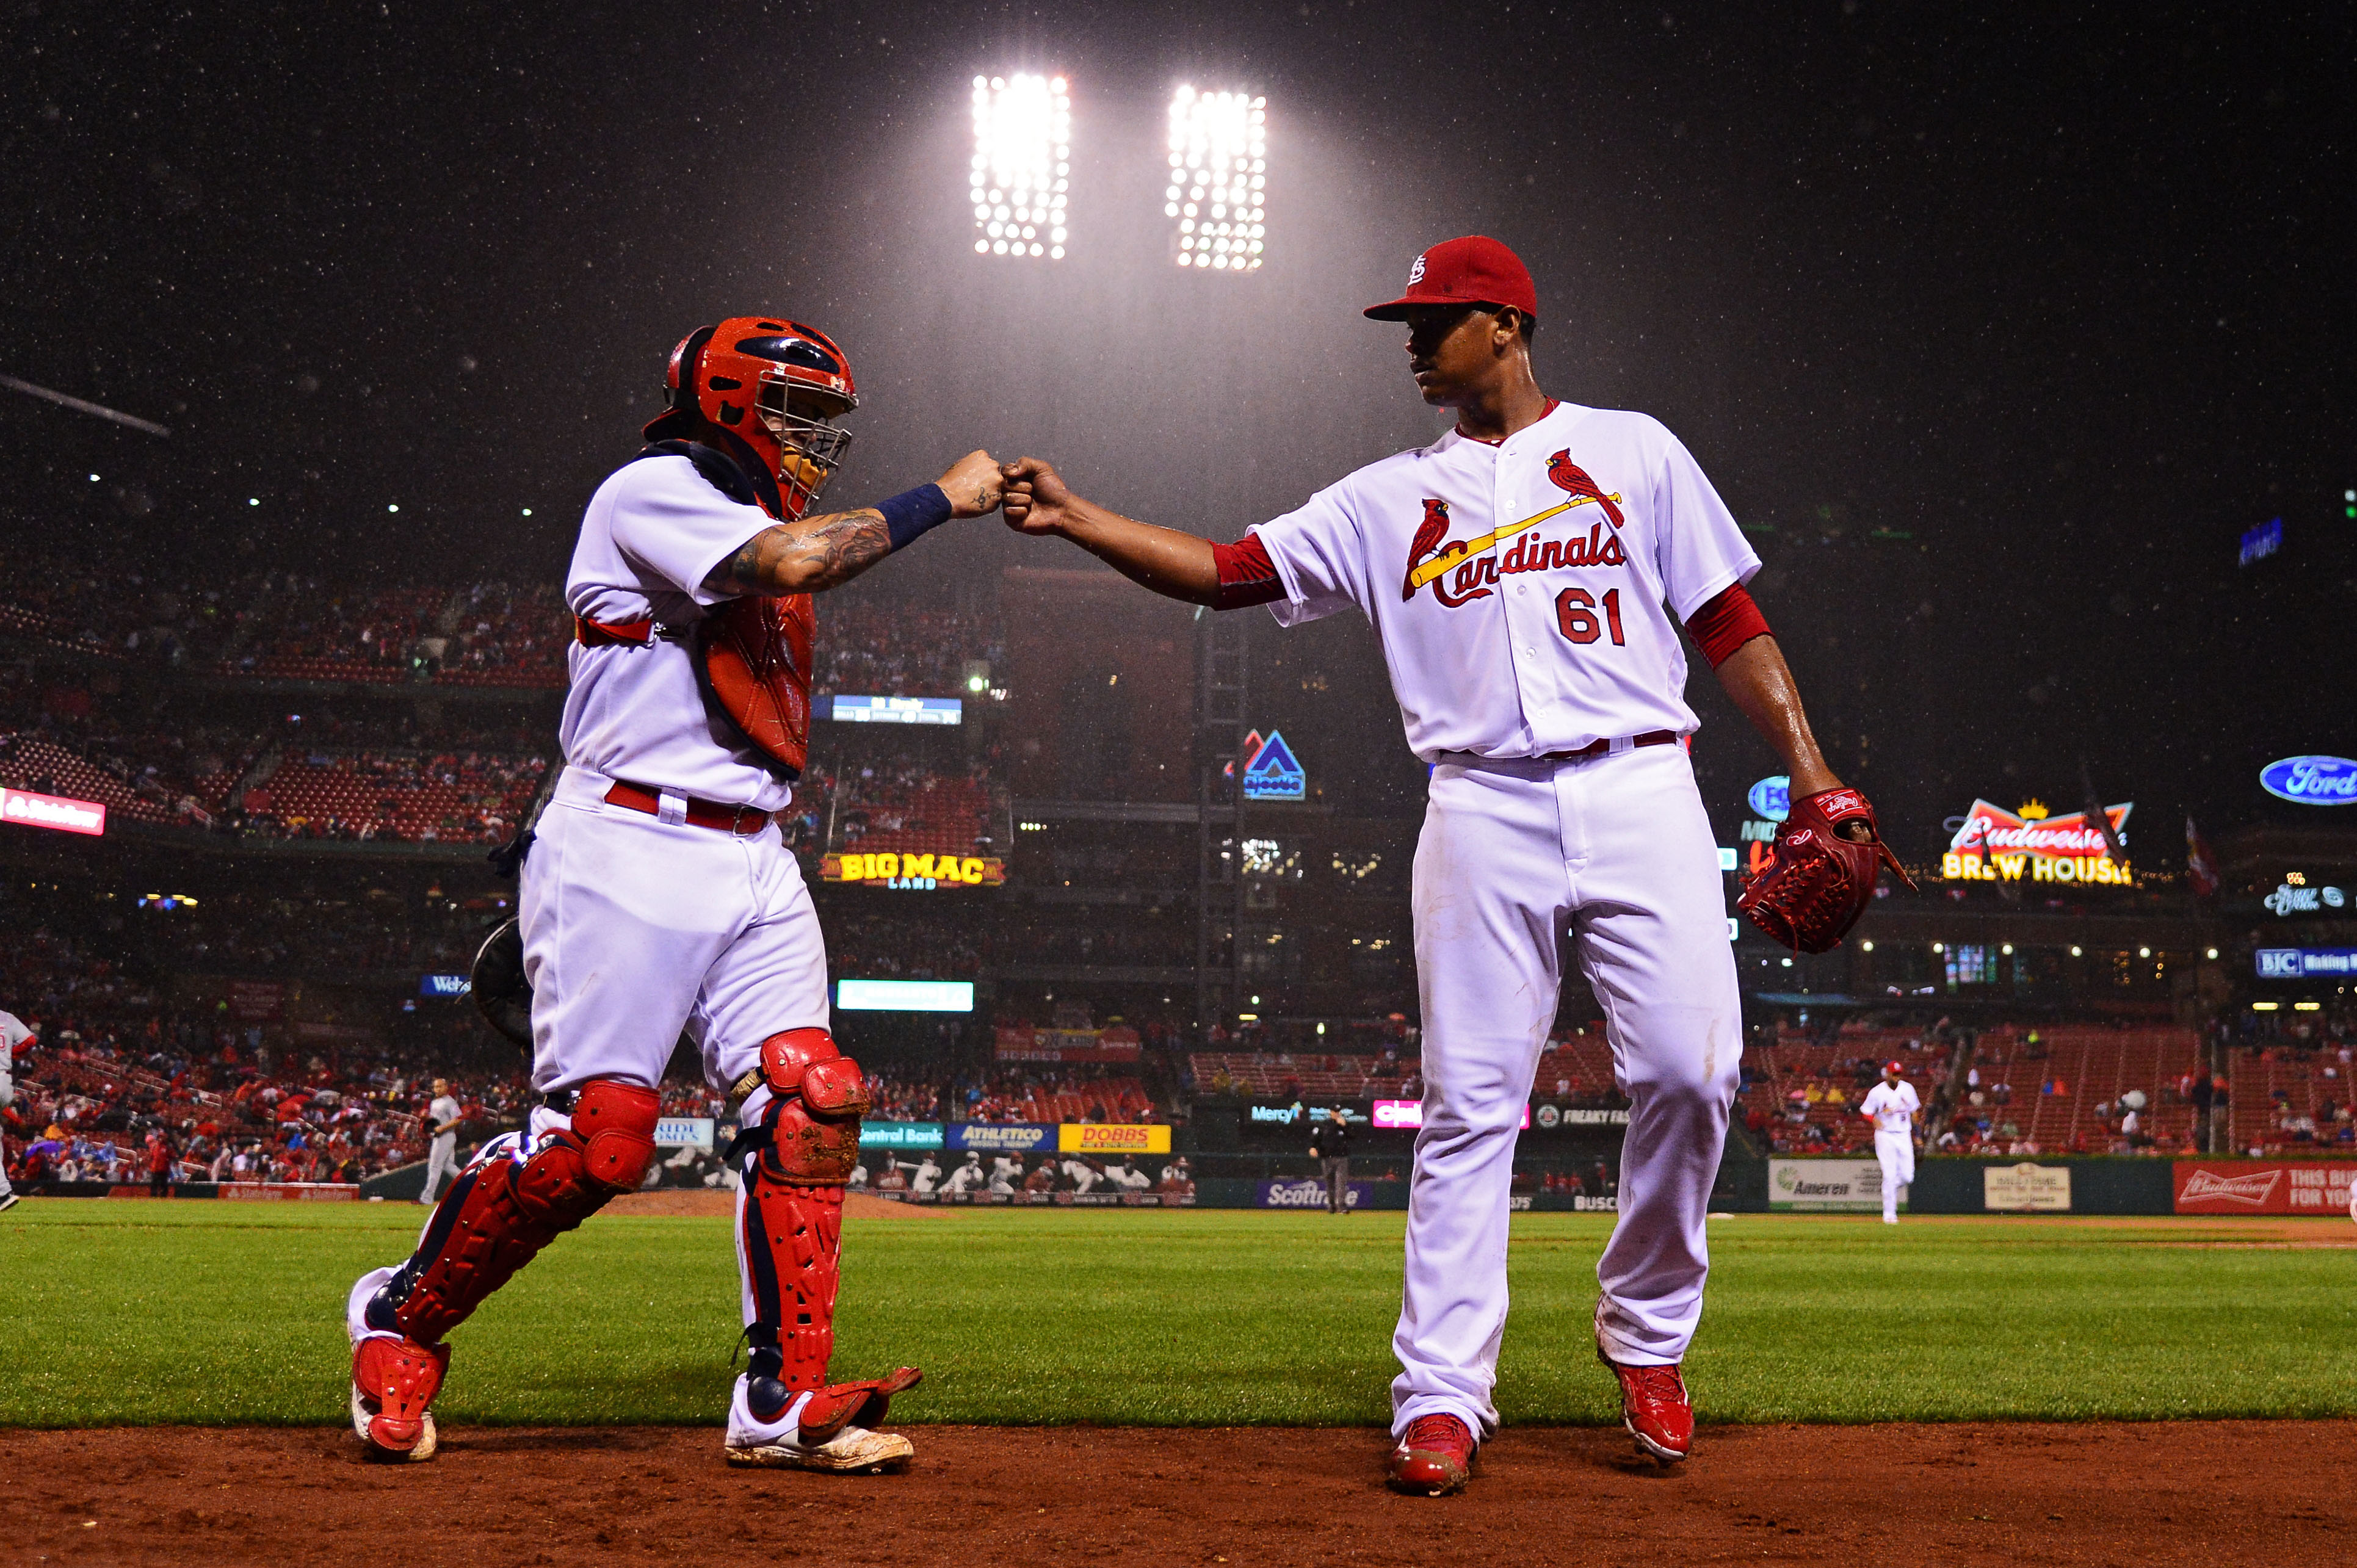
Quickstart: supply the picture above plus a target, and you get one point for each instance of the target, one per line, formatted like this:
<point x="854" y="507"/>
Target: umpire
<point x="1329" y="1146"/>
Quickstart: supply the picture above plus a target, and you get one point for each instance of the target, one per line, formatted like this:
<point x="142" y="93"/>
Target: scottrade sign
<point x="2311" y="781"/>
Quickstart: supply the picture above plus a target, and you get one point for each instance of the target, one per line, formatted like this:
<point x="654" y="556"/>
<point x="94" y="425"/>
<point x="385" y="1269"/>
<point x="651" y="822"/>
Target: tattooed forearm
<point x="806" y="556"/>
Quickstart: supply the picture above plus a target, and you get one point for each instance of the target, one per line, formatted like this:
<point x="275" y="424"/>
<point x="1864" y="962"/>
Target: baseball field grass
<point x="216" y="1313"/>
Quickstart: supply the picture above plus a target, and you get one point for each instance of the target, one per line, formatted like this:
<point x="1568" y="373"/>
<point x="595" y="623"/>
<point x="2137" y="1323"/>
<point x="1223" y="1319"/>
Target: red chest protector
<point x="754" y="665"/>
<point x="752" y="655"/>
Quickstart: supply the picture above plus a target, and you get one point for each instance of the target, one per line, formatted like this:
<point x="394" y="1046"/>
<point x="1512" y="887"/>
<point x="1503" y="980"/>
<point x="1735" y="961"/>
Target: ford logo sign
<point x="1772" y="798"/>
<point x="2311" y="781"/>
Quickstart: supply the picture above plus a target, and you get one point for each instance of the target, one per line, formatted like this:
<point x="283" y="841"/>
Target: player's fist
<point x="972" y="484"/>
<point x="1036" y="497"/>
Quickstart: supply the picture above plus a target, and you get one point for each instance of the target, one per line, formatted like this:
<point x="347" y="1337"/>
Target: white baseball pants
<point x="1895" y="1152"/>
<point x="635" y="928"/>
<point x="1615" y="856"/>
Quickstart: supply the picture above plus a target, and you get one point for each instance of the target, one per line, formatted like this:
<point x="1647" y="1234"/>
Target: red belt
<point x="598" y="634"/>
<point x="743" y="820"/>
<point x="1598" y="748"/>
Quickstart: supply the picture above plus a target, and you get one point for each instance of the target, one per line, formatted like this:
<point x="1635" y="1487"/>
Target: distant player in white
<point x="659" y="896"/>
<point x="442" y="1152"/>
<point x="1526" y="576"/>
<point x="13" y="1034"/>
<point x="1891" y="1105"/>
<point x="967" y="1176"/>
<point x="1006" y="1175"/>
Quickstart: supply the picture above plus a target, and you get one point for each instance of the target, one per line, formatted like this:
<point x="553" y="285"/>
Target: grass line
<point x="185" y="1315"/>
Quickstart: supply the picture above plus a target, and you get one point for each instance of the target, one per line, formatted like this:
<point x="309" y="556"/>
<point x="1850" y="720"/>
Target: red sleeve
<point x="1247" y="577"/>
<point x="1724" y="624"/>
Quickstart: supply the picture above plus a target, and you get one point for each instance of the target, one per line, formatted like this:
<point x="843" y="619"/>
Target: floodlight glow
<point x="1218" y="172"/>
<point x="1020" y="180"/>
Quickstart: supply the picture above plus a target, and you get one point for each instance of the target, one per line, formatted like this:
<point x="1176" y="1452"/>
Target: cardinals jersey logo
<point x="1428" y="535"/>
<point x="1569" y="476"/>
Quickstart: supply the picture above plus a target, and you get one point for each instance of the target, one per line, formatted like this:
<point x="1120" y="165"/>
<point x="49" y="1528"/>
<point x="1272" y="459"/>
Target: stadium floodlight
<point x="1218" y="171"/>
<point x="1021" y="176"/>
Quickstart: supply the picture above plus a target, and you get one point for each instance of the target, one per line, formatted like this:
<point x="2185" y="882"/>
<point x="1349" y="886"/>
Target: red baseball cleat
<point x="394" y="1381"/>
<point x="1434" y="1457"/>
<point x="1655" y="1409"/>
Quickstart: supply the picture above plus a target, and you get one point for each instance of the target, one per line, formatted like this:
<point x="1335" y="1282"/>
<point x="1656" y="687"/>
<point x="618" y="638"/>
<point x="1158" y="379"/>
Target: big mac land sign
<point x="1997" y="846"/>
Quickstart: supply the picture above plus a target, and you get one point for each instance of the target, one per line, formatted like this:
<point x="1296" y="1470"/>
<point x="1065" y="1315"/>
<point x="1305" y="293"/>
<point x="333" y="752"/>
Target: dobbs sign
<point x="1996" y="844"/>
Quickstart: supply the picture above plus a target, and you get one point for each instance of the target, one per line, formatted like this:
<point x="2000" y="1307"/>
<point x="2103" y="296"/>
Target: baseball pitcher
<point x="659" y="896"/>
<point x="1527" y="575"/>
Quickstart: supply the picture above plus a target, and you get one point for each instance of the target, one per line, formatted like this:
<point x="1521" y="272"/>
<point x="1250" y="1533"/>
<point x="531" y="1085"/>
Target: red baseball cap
<point x="1471" y="270"/>
<point x="1896" y="1069"/>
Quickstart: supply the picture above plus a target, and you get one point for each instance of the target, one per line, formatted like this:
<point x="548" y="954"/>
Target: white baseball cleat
<point x="11" y="1200"/>
<point x="854" y="1451"/>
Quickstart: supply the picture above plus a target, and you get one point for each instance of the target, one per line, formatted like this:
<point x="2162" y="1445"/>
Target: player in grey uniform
<point x="442" y="1154"/>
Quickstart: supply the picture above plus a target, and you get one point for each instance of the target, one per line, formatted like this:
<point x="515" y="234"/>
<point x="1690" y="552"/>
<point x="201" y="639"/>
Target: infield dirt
<point x="2191" y="1492"/>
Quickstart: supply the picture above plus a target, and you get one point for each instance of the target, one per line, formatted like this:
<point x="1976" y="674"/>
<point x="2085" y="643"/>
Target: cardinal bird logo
<point x="1428" y="535"/>
<point x="1569" y="476"/>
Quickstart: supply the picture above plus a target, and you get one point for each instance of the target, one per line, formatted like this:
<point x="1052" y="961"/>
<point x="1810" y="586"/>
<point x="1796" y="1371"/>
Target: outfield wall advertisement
<point x="2247" y="1186"/>
<point x="1820" y="1186"/>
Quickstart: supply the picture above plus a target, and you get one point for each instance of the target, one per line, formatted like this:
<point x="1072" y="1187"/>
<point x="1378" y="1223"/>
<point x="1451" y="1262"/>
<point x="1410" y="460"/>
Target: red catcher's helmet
<point x="768" y="391"/>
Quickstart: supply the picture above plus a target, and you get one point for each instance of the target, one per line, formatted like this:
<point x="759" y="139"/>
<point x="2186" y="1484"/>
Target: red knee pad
<point x="616" y="1123"/>
<point x="818" y="1096"/>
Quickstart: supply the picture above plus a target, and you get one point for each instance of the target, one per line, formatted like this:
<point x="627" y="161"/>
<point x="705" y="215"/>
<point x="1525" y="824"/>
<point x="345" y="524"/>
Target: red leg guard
<point x="793" y="1252"/>
<point x="506" y="1213"/>
<point x="793" y="1216"/>
<point x="395" y="1380"/>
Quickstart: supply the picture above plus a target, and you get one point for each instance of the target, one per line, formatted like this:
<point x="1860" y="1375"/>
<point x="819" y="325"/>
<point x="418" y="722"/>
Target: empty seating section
<point x="401" y="796"/>
<point x="46" y="768"/>
<point x="1313" y="1075"/>
<point x="930" y="816"/>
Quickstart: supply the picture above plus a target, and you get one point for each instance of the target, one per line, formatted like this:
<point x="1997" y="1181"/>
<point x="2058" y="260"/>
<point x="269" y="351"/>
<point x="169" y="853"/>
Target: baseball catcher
<point x="657" y="897"/>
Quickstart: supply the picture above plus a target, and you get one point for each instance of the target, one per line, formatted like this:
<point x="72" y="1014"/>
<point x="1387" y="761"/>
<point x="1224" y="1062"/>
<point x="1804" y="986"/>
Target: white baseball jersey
<point x="654" y="530"/>
<point x="1519" y="588"/>
<point x="1892" y="1106"/>
<point x="444" y="1113"/>
<point x="13" y="1034"/>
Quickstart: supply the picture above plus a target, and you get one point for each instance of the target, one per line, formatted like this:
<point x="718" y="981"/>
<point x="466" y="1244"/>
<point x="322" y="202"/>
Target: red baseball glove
<point x="1818" y="880"/>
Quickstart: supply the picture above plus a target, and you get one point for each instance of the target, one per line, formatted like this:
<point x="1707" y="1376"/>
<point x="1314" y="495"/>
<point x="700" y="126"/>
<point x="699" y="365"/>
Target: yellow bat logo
<point x="1451" y="554"/>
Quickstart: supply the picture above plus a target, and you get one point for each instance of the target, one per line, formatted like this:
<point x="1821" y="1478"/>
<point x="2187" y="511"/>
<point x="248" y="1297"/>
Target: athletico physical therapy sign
<point x="1995" y="845"/>
<point x="2248" y="1187"/>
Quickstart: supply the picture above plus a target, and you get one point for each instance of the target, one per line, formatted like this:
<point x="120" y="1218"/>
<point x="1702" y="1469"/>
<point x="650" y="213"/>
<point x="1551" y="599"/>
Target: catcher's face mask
<point x="810" y="446"/>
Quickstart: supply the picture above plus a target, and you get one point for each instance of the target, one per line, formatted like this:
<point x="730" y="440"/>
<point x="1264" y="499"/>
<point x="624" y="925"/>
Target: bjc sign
<point x="28" y="810"/>
<point x="2311" y="781"/>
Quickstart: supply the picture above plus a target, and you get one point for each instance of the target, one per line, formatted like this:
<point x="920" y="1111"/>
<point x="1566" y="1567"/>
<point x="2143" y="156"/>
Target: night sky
<point x="2009" y="326"/>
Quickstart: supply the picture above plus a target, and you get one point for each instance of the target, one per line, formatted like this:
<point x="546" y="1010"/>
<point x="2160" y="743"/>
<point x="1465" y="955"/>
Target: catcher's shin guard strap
<point x="866" y="1403"/>
<point x="498" y="1219"/>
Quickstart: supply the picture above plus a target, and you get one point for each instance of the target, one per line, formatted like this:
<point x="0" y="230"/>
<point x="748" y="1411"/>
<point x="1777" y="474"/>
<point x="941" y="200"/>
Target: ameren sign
<point x="919" y="872"/>
<point x="1995" y="845"/>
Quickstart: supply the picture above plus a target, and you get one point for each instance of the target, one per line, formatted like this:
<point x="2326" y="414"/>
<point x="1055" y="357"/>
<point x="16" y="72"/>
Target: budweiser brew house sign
<point x="1997" y="846"/>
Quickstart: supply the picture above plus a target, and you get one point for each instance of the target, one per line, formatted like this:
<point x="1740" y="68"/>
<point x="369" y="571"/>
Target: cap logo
<point x="1416" y="273"/>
